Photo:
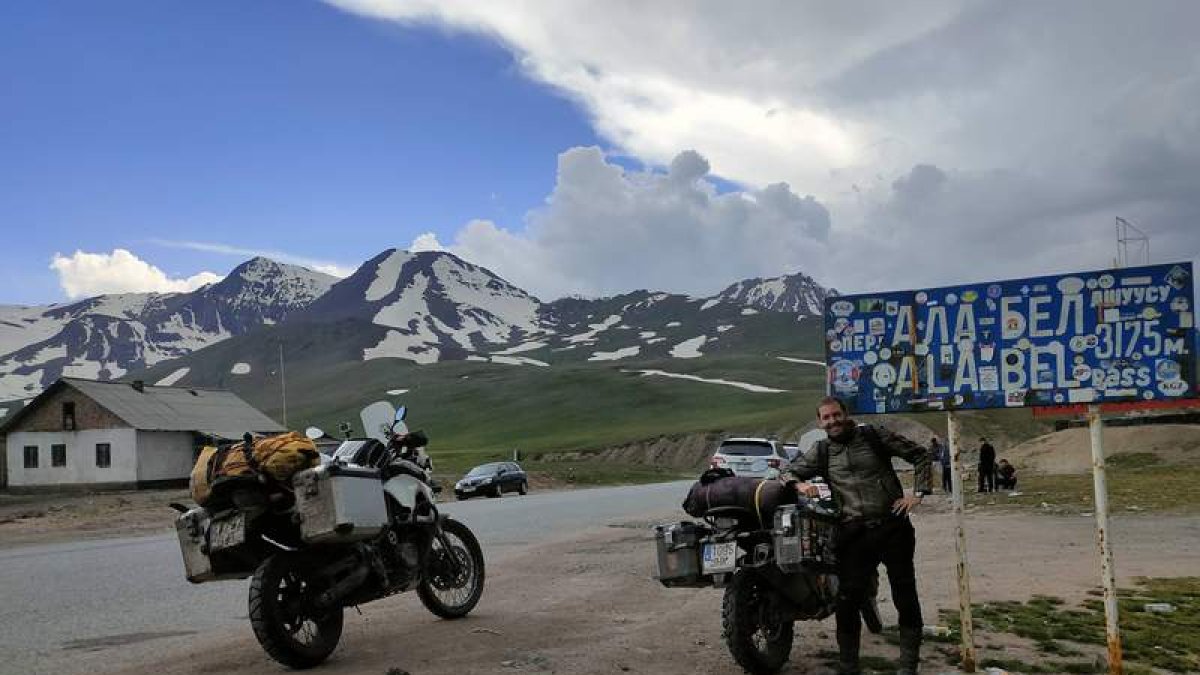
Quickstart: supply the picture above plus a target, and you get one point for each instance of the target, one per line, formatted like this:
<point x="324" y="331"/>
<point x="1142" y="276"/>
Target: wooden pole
<point x="1112" y="628"/>
<point x="963" y="568"/>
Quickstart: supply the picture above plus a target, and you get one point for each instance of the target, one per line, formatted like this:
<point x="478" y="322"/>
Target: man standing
<point x="941" y="454"/>
<point x="987" y="466"/>
<point x="856" y="462"/>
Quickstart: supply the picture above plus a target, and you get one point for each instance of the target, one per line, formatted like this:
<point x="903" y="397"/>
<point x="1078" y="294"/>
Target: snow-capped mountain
<point x="106" y="336"/>
<point x="797" y="293"/>
<point x="420" y="307"/>
<point x="433" y="305"/>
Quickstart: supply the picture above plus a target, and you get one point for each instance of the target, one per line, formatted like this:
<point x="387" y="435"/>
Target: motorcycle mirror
<point x="401" y="413"/>
<point x="313" y="433"/>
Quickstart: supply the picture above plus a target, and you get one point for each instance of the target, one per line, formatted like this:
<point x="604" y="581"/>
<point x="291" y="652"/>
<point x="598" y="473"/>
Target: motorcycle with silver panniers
<point x="772" y="574"/>
<point x="361" y="526"/>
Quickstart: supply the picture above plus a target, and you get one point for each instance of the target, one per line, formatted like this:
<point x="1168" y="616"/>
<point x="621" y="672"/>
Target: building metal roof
<point x="208" y="411"/>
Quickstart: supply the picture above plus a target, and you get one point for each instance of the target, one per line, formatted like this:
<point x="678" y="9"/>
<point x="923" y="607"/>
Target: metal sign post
<point x="963" y="568"/>
<point x="1112" y="629"/>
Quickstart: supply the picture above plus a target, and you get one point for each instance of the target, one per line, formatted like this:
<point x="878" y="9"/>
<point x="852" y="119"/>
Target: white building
<point x="87" y="433"/>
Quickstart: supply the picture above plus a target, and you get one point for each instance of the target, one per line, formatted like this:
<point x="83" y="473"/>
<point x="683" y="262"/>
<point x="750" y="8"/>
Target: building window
<point x="103" y="455"/>
<point x="58" y="455"/>
<point x="31" y="457"/>
<point x="69" y="416"/>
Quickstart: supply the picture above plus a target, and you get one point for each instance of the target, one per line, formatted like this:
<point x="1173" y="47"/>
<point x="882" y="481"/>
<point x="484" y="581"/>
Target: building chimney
<point x="139" y="386"/>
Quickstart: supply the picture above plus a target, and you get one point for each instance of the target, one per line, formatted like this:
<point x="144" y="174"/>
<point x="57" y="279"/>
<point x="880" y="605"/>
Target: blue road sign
<point x="1087" y="337"/>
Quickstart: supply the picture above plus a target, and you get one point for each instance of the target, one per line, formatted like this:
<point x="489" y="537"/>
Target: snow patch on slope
<point x="399" y="345"/>
<point x="173" y="377"/>
<point x="519" y="361"/>
<point x="508" y="306"/>
<point x="409" y="306"/>
<point x="525" y="347"/>
<point x="387" y="274"/>
<point x="596" y="329"/>
<point x="756" y="388"/>
<point x="623" y="353"/>
<point x="689" y="349"/>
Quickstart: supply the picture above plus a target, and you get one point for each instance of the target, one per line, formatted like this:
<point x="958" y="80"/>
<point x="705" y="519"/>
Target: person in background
<point x="856" y="462"/>
<point x="941" y="455"/>
<point x="1006" y="476"/>
<point x="987" y="466"/>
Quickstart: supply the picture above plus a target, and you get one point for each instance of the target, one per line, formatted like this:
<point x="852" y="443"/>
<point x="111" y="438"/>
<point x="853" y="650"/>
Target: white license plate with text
<point x="719" y="558"/>
<point x="227" y="533"/>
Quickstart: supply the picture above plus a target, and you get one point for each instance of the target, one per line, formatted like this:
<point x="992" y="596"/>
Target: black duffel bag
<point x="719" y="487"/>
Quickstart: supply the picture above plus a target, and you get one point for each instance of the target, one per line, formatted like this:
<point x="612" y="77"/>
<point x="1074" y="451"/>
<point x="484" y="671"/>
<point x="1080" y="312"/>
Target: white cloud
<point x="606" y="230"/>
<point x="1034" y="132"/>
<point x="333" y="269"/>
<point x="427" y="241"/>
<point x="88" y="274"/>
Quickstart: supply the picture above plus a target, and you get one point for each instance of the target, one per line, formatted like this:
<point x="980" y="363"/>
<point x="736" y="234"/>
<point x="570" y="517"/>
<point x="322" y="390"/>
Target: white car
<point x="751" y="457"/>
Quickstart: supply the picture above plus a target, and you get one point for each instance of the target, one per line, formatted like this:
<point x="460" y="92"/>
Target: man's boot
<point x="910" y="650"/>
<point x="848" y="644"/>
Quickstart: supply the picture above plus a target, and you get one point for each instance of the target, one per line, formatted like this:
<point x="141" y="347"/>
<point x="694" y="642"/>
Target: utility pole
<point x="1127" y="234"/>
<point x="283" y="385"/>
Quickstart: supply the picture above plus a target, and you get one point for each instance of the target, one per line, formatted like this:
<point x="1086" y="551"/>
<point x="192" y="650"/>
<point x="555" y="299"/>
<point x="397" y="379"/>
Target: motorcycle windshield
<point x="377" y="417"/>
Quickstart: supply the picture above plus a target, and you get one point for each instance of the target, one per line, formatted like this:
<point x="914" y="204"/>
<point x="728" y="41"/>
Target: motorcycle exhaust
<point x="342" y="589"/>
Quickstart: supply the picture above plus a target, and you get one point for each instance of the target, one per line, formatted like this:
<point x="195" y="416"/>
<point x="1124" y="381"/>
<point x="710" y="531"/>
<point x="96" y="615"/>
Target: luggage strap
<point x="758" y="502"/>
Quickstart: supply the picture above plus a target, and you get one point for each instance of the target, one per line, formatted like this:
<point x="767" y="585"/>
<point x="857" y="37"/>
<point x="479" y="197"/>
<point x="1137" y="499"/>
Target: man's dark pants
<point x="946" y="478"/>
<point x="860" y="551"/>
<point x="987" y="479"/>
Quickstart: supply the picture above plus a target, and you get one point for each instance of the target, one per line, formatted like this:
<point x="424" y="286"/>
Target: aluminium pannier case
<point x="678" y="547"/>
<point x="214" y="549"/>
<point x="804" y="539"/>
<point x="339" y="504"/>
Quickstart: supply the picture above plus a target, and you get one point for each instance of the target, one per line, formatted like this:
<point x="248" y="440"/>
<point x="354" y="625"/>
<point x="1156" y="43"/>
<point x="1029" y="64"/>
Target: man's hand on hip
<point x="905" y="505"/>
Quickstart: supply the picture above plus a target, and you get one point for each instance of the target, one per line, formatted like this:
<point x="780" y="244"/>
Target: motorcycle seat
<point x="746" y="518"/>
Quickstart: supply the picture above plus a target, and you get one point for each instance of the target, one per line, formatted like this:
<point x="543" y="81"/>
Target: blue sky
<point x="287" y="126"/>
<point x="594" y="148"/>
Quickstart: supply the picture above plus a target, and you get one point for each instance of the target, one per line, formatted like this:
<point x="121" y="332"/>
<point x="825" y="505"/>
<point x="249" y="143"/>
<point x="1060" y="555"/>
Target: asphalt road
<point x="86" y="607"/>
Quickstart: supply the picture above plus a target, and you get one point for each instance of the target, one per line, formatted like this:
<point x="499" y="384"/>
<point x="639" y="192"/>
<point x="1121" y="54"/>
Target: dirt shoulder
<point x="51" y="518"/>
<point x="588" y="604"/>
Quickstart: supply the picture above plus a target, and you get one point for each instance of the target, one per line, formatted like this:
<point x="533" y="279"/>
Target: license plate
<point x="719" y="558"/>
<point x="227" y="533"/>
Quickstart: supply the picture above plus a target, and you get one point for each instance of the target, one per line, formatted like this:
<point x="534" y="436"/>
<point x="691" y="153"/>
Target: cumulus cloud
<point x="88" y="274"/>
<point x="427" y="241"/>
<point x="943" y="140"/>
<point x="606" y="230"/>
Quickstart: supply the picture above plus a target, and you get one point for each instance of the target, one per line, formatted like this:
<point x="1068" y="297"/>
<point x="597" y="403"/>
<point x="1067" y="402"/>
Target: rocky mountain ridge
<point x="422" y="307"/>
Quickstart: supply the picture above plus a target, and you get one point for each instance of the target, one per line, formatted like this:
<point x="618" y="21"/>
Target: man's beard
<point x="842" y="431"/>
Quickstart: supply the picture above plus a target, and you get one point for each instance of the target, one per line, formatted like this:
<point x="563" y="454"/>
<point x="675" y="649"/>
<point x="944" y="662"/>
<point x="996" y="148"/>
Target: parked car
<point x="492" y="480"/>
<point x="753" y="457"/>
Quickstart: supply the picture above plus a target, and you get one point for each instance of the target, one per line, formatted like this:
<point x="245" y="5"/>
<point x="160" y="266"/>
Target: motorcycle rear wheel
<point x="453" y="585"/>
<point x="288" y="627"/>
<point x="759" y="642"/>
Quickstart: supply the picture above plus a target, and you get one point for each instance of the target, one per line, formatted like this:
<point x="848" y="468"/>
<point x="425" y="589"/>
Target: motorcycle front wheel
<point x="290" y="629"/>
<point x="759" y="640"/>
<point x="453" y="579"/>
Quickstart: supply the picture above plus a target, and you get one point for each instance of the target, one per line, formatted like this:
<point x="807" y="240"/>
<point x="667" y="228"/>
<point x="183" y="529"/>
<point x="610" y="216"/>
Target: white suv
<point x="752" y="457"/>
